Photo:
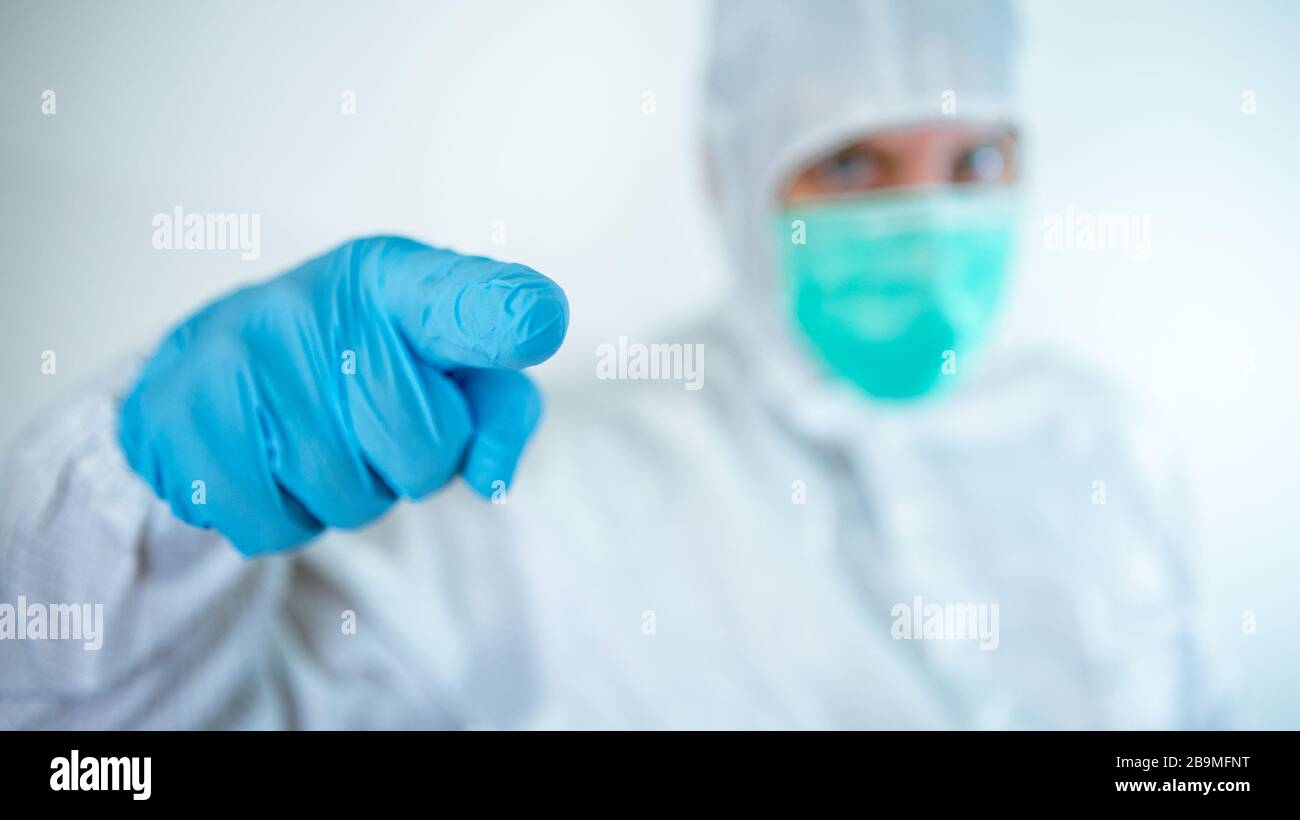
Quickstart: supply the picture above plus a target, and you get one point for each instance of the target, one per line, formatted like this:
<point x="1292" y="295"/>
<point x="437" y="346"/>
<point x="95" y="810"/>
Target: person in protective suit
<point x="799" y="543"/>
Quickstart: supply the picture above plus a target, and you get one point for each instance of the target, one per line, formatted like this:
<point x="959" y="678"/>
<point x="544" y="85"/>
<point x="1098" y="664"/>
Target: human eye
<point x="848" y="169"/>
<point x="986" y="162"/>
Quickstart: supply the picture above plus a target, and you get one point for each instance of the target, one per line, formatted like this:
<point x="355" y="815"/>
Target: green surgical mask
<point x="892" y="289"/>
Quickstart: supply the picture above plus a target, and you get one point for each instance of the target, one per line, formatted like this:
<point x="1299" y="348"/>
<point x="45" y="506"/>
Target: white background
<point x="531" y="113"/>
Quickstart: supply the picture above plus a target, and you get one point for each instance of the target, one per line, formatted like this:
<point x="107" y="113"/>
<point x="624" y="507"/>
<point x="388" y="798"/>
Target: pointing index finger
<point x="470" y="311"/>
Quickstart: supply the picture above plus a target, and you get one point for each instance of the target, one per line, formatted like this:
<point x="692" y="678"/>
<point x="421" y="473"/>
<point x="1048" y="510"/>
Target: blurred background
<point x="564" y="135"/>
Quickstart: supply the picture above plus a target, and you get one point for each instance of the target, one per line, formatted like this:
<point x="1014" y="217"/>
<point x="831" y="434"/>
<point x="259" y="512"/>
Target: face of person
<point x="890" y="290"/>
<point x="915" y="156"/>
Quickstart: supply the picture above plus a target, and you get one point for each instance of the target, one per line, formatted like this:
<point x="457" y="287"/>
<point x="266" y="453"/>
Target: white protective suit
<point x="653" y="566"/>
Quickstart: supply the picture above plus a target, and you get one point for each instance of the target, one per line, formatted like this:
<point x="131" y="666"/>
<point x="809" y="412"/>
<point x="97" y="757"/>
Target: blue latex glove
<point x="252" y="395"/>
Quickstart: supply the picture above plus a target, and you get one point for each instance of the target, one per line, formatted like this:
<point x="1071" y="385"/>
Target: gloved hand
<point x="377" y="371"/>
